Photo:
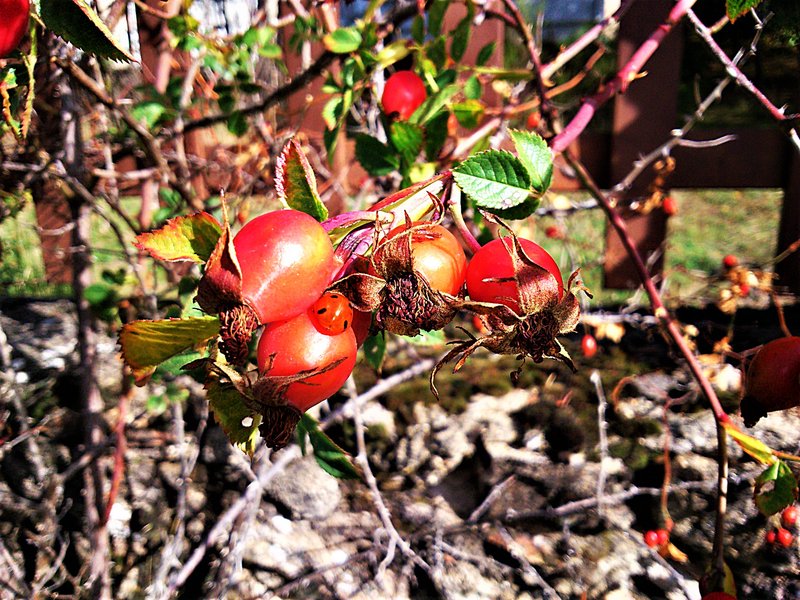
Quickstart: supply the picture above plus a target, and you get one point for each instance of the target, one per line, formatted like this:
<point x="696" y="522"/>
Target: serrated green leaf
<point x="343" y="41"/>
<point x="374" y="348"/>
<point x="332" y="111"/>
<point x="146" y="344"/>
<point x="736" y="8"/>
<point x="148" y="112"/>
<point x="376" y="157"/>
<point x="407" y="139"/>
<point x="775" y="489"/>
<point x="296" y="183"/>
<point x="495" y="180"/>
<point x="329" y="456"/>
<point x="392" y="53"/>
<point x="485" y="53"/>
<point x="79" y="24"/>
<point x="191" y="237"/>
<point x="238" y="422"/>
<point x="534" y="153"/>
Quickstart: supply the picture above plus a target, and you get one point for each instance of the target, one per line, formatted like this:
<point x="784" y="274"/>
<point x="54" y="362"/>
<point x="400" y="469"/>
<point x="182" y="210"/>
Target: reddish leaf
<point x="192" y="237"/>
<point x="296" y="184"/>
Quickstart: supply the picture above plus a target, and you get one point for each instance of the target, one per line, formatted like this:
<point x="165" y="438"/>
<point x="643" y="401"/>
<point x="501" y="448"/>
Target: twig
<point x="493" y="495"/>
<point x="741" y="79"/>
<point x="266" y="472"/>
<point x="602" y="427"/>
<point x="518" y="553"/>
<point x="621" y="80"/>
<point x="395" y="539"/>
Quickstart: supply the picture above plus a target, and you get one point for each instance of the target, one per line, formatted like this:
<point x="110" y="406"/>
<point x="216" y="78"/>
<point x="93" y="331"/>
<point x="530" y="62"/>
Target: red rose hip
<point x="14" y="15"/>
<point x="402" y="94"/>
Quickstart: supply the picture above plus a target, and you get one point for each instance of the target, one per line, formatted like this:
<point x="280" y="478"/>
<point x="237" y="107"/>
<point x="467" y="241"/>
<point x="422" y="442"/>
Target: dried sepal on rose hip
<point x="415" y="275"/>
<point x="275" y="267"/>
<point x="516" y="287"/>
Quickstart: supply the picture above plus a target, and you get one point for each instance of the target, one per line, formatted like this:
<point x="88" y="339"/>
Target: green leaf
<point x="191" y="237"/>
<point x="146" y="344"/>
<point x="148" y="112"/>
<point x="460" y="37"/>
<point x="238" y="422"/>
<point x="473" y="88"/>
<point x="495" y="180"/>
<point x="78" y="23"/>
<point x="332" y="111"/>
<point x="485" y="53"/>
<point x="468" y="113"/>
<point x="375" y="350"/>
<point x="436" y="135"/>
<point x="376" y="157"/>
<point x="436" y="12"/>
<point x="775" y="489"/>
<point x="433" y="104"/>
<point x="343" y="41"/>
<point x="237" y="123"/>
<point x="736" y="8"/>
<point x="536" y="156"/>
<point x="392" y="53"/>
<point x="418" y="30"/>
<point x="407" y="138"/>
<point x="329" y="456"/>
<point x="296" y="184"/>
<point x="99" y="293"/>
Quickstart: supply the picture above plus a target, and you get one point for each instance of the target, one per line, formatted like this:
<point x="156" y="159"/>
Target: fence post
<point x="643" y="119"/>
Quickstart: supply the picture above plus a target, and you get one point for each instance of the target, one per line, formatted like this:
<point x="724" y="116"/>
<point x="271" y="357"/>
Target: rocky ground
<point x="498" y="491"/>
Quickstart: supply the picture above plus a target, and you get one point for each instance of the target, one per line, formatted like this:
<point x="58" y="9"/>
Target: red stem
<point x="621" y="80"/>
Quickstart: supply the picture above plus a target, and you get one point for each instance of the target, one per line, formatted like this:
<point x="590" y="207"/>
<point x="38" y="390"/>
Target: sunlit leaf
<point x="146" y="344"/>
<point x="755" y="448"/>
<point x="79" y="24"/>
<point x="296" y="184"/>
<point x="496" y="181"/>
<point x="776" y="488"/>
<point x="736" y="8"/>
<point x="534" y="153"/>
<point x="343" y="41"/>
<point x="329" y="456"/>
<point x="191" y="237"/>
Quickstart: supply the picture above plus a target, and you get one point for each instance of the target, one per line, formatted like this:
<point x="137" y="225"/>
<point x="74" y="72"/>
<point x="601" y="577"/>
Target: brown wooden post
<point x="788" y="270"/>
<point x="643" y="119"/>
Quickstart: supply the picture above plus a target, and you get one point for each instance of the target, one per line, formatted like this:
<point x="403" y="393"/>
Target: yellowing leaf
<point x="192" y="237"/>
<point x="755" y="448"/>
<point x="146" y="344"/>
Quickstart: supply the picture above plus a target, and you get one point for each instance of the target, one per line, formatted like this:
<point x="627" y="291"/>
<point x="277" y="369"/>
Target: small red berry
<point x="663" y="536"/>
<point x="784" y="537"/>
<point x="651" y="538"/>
<point x="402" y="94"/>
<point x="670" y="206"/>
<point x="770" y="537"/>
<point x="554" y="232"/>
<point x="730" y="261"/>
<point x="589" y="347"/>
<point x="744" y="290"/>
<point x="534" y="119"/>
<point x="789" y="516"/>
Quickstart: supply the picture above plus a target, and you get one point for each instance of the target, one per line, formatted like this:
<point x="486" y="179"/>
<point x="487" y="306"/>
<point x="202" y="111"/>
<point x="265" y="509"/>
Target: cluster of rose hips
<point x="281" y="275"/>
<point x="783" y="536"/>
